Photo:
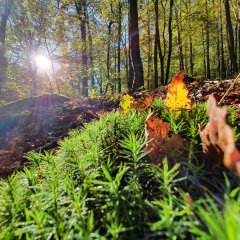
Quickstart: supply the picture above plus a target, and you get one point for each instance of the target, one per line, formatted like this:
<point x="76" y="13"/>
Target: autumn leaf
<point x="142" y="104"/>
<point x="218" y="139"/>
<point x="177" y="95"/>
<point x="160" y="145"/>
<point x="126" y="102"/>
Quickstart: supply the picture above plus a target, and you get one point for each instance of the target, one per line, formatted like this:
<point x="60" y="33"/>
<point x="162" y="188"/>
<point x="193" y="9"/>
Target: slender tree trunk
<point x="179" y="37"/>
<point x="219" y="56"/>
<point x="126" y="55"/>
<point x="119" y="46"/>
<point x="7" y="7"/>
<point x="223" y="63"/>
<point x="155" y="60"/>
<point x="136" y="60"/>
<point x="156" y="41"/>
<point x="191" y="57"/>
<point x="81" y="7"/>
<point x="232" y="54"/>
<point x="170" y="41"/>
<point x="149" y="68"/>
<point x="109" y="49"/>
<point x="208" y="55"/>
<point x="208" y="69"/>
<point x="160" y="52"/>
<point x="130" y="67"/>
<point x="204" y="55"/>
<point x="238" y="44"/>
<point x="90" y="51"/>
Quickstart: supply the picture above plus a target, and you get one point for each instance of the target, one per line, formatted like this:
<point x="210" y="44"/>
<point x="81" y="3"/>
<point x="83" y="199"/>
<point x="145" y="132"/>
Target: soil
<point x="37" y="124"/>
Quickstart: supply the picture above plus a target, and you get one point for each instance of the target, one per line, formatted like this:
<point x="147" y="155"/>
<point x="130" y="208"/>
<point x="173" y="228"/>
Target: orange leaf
<point x="160" y="145"/>
<point x="218" y="140"/>
<point x="177" y="95"/>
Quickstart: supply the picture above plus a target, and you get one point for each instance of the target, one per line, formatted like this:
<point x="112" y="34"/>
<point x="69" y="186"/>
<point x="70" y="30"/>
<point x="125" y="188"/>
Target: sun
<point x="42" y="62"/>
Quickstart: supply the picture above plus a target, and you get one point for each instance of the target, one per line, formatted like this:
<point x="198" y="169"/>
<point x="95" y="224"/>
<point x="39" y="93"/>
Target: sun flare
<point x="42" y="62"/>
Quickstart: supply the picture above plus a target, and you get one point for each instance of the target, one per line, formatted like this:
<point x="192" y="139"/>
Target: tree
<point x="7" y="7"/>
<point x="81" y="7"/>
<point x="119" y="3"/>
<point x="170" y="37"/>
<point x="136" y="81"/>
<point x="231" y="49"/>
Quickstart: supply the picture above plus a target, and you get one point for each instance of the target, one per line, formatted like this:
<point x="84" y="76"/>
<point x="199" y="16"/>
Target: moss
<point x="100" y="185"/>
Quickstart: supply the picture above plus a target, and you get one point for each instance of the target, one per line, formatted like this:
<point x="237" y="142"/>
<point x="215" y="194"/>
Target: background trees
<point x="100" y="47"/>
<point x="4" y="14"/>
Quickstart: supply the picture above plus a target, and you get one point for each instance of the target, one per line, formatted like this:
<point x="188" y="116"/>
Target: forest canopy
<point x="91" y="47"/>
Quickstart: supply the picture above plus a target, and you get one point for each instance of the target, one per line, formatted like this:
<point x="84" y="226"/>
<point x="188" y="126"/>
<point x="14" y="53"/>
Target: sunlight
<point x="42" y="62"/>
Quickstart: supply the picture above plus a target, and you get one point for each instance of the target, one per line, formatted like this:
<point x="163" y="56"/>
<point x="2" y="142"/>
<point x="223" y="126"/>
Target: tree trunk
<point x="109" y="49"/>
<point x="156" y="41"/>
<point x="160" y="52"/>
<point x="207" y="46"/>
<point x="136" y="61"/>
<point x="149" y="58"/>
<point x="170" y="41"/>
<point x="204" y="55"/>
<point x="7" y="7"/>
<point x="81" y="7"/>
<point x="179" y="37"/>
<point x="90" y="51"/>
<point x="191" y="57"/>
<point x="155" y="60"/>
<point x="232" y="54"/>
<point x="119" y="46"/>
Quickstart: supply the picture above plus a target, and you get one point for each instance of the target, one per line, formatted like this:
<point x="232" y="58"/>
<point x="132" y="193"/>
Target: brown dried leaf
<point x="218" y="140"/>
<point x="142" y="104"/>
<point x="160" y="145"/>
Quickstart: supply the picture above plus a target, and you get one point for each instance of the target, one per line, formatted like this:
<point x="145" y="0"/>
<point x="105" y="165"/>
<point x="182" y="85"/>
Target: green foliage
<point x="101" y="185"/>
<point x="220" y="220"/>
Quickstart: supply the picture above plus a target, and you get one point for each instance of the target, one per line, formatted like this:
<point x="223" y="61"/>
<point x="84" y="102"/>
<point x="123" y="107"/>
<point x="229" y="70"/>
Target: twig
<point x="231" y="86"/>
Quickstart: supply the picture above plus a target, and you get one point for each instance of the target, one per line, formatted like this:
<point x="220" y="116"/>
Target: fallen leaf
<point x="126" y="102"/>
<point x="142" y="104"/>
<point x="159" y="145"/>
<point x="177" y="95"/>
<point x="218" y="139"/>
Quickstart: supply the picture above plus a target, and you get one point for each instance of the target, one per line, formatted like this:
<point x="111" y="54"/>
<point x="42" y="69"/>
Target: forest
<point x="92" y="48"/>
<point x="119" y="119"/>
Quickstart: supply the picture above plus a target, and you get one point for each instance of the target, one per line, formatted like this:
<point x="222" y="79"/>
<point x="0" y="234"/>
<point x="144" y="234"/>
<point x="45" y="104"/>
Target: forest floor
<point x="37" y="124"/>
<point x="145" y="165"/>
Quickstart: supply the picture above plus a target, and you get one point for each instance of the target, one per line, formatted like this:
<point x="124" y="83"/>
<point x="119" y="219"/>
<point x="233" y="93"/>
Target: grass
<point x="100" y="184"/>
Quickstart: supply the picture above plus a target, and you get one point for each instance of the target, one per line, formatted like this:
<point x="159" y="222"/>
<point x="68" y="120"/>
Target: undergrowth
<point x="101" y="185"/>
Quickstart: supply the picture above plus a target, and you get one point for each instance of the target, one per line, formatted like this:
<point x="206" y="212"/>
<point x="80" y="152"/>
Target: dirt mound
<point x="39" y="123"/>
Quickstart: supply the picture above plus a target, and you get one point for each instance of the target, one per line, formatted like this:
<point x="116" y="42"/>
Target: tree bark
<point x="160" y="52"/>
<point x="179" y="37"/>
<point x="109" y="49"/>
<point x="90" y="51"/>
<point x="3" y="27"/>
<point x="135" y="56"/>
<point x="170" y="41"/>
<point x="208" y="71"/>
<point x="156" y="41"/>
<point x="119" y="47"/>
<point x="232" y="54"/>
<point x="81" y="7"/>
<point x="149" y="57"/>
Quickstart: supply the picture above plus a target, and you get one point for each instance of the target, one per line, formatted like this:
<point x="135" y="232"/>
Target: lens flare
<point x="42" y="62"/>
